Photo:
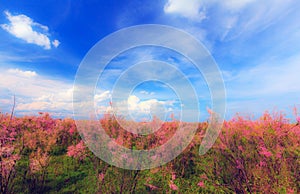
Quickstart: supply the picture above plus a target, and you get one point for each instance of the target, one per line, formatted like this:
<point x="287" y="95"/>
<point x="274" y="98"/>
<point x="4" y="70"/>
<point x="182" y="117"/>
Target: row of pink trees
<point x="249" y="156"/>
<point x="32" y="137"/>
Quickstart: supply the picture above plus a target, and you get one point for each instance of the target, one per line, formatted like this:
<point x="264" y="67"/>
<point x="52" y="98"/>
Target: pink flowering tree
<point x="9" y="154"/>
<point x="78" y="151"/>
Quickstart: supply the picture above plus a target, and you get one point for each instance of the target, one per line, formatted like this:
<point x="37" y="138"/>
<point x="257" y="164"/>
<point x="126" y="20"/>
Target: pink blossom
<point x="78" y="151"/>
<point x="290" y="191"/>
<point x="173" y="186"/>
<point x="203" y="176"/>
<point x="173" y="176"/>
<point x="201" y="184"/>
<point x="265" y="152"/>
<point x="101" y="176"/>
<point x="240" y="148"/>
<point x="72" y="130"/>
<point x="261" y="164"/>
<point x="124" y="156"/>
<point x="278" y="155"/>
<point x="152" y="187"/>
<point x="154" y="157"/>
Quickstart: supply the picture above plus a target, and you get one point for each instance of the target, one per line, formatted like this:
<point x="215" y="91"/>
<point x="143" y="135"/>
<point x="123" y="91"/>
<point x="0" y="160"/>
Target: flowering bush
<point x="78" y="151"/>
<point x="41" y="154"/>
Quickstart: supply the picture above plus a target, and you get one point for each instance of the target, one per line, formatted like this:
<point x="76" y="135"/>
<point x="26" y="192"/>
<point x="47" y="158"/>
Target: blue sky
<point x="256" y="45"/>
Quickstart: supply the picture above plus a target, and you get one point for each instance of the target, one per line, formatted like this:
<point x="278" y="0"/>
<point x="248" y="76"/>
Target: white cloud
<point x="102" y="96"/>
<point x="23" y="27"/>
<point x="55" y="43"/>
<point x="266" y="34"/>
<point x="245" y="19"/>
<point x="34" y="92"/>
<point x="21" y="73"/>
<point x="134" y="107"/>
<point x="146" y="93"/>
<point x="235" y="5"/>
<point x="133" y="102"/>
<point x="197" y="9"/>
<point x="189" y="9"/>
<point x="233" y="18"/>
<point x="49" y="102"/>
<point x="34" y="106"/>
<point x="144" y="106"/>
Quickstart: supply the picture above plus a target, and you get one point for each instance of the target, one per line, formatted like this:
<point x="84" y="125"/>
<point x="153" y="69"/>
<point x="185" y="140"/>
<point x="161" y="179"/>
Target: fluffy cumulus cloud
<point x="23" y="27"/>
<point x="135" y="104"/>
<point x="137" y="108"/>
<point x="134" y="107"/>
